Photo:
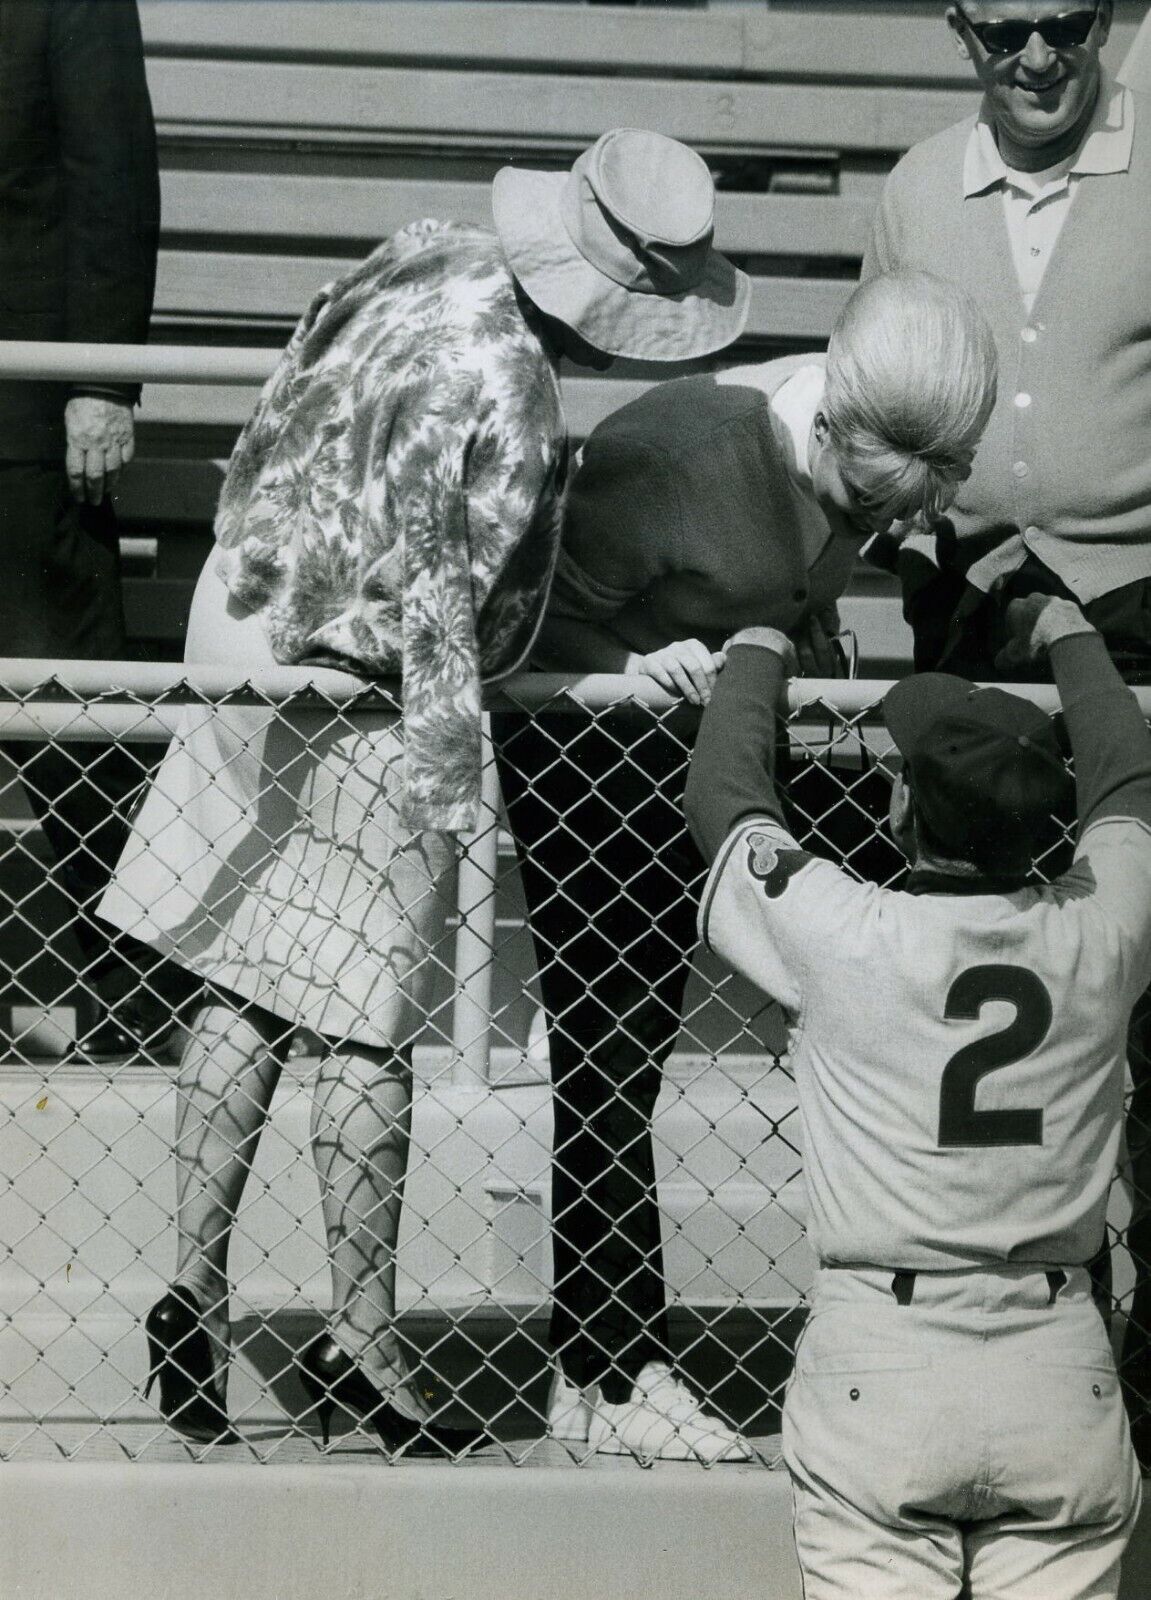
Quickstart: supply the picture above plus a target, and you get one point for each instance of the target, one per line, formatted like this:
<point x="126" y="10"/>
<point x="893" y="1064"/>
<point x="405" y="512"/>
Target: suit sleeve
<point x="107" y="144"/>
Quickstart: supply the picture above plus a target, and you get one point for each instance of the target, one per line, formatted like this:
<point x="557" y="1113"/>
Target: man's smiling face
<point x="1041" y="95"/>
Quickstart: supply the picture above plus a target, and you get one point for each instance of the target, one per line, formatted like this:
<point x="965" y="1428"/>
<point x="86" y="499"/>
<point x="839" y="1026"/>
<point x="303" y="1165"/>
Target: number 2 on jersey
<point x="960" y="1124"/>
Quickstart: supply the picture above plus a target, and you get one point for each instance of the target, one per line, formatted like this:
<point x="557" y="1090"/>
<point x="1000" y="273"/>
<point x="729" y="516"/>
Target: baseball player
<point x="954" y="1416"/>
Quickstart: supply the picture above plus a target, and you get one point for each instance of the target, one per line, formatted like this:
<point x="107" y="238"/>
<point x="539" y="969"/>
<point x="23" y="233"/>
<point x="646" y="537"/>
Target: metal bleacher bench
<point x="297" y="133"/>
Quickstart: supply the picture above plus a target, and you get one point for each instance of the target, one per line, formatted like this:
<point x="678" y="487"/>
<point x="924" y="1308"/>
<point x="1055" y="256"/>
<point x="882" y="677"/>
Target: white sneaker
<point x="663" y="1420"/>
<point x="569" y="1408"/>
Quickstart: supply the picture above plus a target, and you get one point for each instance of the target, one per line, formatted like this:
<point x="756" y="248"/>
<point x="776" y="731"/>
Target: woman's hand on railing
<point x="686" y="667"/>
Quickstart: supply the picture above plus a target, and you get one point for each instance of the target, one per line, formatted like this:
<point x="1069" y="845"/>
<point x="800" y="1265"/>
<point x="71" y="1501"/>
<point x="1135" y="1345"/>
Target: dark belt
<point x="903" y="1285"/>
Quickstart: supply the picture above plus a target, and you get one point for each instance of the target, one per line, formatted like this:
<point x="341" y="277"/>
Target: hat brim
<point x="618" y="321"/>
<point x="913" y="704"/>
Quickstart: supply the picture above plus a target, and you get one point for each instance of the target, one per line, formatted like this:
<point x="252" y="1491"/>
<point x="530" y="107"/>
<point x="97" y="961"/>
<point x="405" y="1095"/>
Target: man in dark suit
<point x="79" y="228"/>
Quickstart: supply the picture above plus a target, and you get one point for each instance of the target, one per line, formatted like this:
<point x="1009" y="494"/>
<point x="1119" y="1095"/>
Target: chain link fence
<point x="604" y="1160"/>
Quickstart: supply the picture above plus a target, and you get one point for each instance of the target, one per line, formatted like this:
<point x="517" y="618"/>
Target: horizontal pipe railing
<point x="67" y="683"/>
<point x="106" y="683"/>
<point x="135" y="363"/>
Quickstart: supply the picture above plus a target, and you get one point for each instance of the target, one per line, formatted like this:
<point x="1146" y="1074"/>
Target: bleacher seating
<point x="296" y="133"/>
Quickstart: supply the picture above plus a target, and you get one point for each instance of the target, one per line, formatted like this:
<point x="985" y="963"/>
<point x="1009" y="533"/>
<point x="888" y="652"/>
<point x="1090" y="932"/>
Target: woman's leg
<point x="361" y="1128"/>
<point x="228" y="1074"/>
<point x="362" y="1107"/>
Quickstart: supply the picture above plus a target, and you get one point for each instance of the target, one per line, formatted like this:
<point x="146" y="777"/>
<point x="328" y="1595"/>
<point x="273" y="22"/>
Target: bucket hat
<point x="986" y="768"/>
<point x="620" y="248"/>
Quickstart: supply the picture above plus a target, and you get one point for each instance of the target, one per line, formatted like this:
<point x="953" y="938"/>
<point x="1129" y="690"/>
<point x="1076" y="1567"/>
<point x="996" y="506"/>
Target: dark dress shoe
<point x="122" y="1032"/>
<point x="330" y="1378"/>
<point x="191" y="1397"/>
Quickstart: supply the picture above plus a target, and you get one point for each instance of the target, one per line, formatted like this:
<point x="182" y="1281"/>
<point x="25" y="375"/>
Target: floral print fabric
<point x="392" y="505"/>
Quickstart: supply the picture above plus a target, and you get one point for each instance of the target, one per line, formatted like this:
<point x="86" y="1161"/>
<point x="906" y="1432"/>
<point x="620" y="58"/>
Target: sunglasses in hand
<point x="1009" y="37"/>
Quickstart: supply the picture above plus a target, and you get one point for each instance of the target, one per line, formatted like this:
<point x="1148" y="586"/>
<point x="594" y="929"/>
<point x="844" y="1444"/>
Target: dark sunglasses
<point x="1009" y="38"/>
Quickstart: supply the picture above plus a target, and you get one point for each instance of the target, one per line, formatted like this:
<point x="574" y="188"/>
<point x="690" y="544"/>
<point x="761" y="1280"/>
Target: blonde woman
<point x="709" y="505"/>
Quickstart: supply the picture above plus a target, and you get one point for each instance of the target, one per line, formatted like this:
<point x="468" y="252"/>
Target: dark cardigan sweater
<point x="681" y="521"/>
<point x="1074" y="464"/>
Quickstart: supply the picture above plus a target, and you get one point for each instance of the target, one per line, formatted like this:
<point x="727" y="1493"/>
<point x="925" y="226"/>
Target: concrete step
<point x="364" y="1531"/>
<point x="369" y="1532"/>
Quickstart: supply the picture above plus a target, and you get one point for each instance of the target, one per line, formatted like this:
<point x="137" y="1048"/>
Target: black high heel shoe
<point x="331" y="1377"/>
<point x="180" y="1356"/>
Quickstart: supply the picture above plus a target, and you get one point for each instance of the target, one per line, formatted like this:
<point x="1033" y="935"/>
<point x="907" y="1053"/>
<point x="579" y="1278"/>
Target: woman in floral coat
<point x="391" y="508"/>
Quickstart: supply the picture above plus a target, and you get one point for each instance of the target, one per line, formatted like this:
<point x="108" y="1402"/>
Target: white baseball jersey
<point x="959" y="1057"/>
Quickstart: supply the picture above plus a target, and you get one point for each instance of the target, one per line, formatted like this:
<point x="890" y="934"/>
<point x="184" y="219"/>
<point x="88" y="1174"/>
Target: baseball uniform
<point x="959" y="1052"/>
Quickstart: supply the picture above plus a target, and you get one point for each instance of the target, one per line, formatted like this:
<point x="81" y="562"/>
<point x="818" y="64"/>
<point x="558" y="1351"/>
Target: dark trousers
<point x="612" y="883"/>
<point x="978" y="627"/>
<point x="60" y="598"/>
<point x="968" y="645"/>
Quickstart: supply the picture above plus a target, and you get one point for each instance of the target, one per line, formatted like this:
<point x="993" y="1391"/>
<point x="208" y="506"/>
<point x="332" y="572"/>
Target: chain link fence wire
<point x="675" y="1225"/>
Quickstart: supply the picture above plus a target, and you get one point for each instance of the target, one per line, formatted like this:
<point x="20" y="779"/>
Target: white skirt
<point x="268" y="855"/>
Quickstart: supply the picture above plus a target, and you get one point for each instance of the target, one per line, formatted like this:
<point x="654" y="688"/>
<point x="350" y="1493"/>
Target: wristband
<point x="765" y="639"/>
<point x="1057" y="622"/>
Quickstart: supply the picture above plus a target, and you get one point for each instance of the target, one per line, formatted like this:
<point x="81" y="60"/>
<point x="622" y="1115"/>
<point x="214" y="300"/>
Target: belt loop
<point x="903" y="1287"/>
<point x="1056" y="1280"/>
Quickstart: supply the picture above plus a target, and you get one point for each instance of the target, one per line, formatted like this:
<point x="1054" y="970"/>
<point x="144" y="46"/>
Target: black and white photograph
<point x="575" y="799"/>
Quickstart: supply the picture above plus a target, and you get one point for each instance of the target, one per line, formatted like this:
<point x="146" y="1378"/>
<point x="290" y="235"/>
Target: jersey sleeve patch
<point x="773" y="863"/>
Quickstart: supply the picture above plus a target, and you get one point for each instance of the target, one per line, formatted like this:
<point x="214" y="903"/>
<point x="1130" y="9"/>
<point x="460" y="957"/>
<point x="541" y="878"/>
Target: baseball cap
<point x="985" y="766"/>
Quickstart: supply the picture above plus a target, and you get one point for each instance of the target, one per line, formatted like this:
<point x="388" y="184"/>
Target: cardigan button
<point x="800" y="594"/>
<point x="1029" y="335"/>
<point x="1022" y="401"/>
<point x="1021" y="469"/>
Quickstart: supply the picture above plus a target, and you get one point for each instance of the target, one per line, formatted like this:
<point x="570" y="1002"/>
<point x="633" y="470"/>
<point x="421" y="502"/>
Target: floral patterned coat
<point x="392" y="505"/>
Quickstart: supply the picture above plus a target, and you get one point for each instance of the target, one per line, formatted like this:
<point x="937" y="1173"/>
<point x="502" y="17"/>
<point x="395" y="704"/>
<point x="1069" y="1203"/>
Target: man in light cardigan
<point x="1040" y="206"/>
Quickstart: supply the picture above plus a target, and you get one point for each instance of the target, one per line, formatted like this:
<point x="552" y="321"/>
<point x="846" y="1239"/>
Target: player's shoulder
<point x="772" y="858"/>
<point x="769" y="871"/>
<point x="1119" y="830"/>
<point x="1119" y="847"/>
<point x="1103" y="900"/>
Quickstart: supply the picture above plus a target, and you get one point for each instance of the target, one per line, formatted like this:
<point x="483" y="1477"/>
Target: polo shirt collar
<point x="1106" y="148"/>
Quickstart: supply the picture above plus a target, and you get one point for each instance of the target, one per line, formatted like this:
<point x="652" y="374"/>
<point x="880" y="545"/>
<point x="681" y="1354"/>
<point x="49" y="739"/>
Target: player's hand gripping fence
<point x="99" y="1133"/>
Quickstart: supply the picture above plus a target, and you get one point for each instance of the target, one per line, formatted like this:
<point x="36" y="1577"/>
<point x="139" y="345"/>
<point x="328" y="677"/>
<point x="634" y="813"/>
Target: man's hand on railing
<point x="815" y="647"/>
<point x="100" y="443"/>
<point x="1036" y="622"/>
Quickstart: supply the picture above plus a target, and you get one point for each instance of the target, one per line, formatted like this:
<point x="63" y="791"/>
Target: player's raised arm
<point x="732" y="772"/>
<point x="1107" y="730"/>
